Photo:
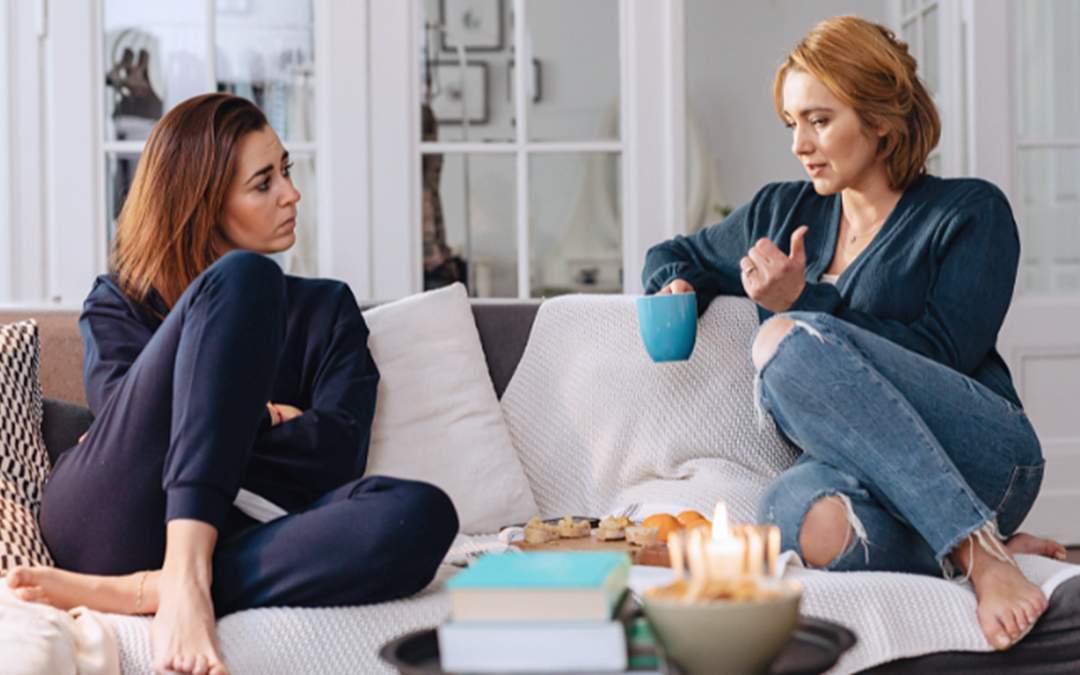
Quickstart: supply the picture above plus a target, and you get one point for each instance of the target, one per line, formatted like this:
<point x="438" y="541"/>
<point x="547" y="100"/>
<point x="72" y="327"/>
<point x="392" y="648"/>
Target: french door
<point x="1030" y="64"/>
<point x="523" y="182"/>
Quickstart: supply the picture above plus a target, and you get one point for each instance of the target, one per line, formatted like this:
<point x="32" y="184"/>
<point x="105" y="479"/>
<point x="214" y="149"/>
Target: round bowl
<point x="731" y="637"/>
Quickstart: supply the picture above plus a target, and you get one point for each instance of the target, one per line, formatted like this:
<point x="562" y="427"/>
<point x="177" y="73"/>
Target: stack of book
<point x="542" y="611"/>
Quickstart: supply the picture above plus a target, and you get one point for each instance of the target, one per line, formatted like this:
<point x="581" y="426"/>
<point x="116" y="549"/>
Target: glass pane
<point x="155" y="57"/>
<point x="909" y="33"/>
<point x="909" y="6"/>
<point x="571" y="96"/>
<point x="931" y="63"/>
<point x="265" y="53"/>
<point x="933" y="164"/>
<point x="1048" y="63"/>
<point x="303" y="258"/>
<point x="575" y="223"/>
<point x="463" y="70"/>
<point x="1048" y="214"/>
<point x="119" y="173"/>
<point x="468" y="219"/>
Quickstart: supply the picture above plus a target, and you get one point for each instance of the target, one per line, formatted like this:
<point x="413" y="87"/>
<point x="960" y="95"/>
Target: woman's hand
<point x="771" y="278"/>
<point x="282" y="412"/>
<point x="676" y="286"/>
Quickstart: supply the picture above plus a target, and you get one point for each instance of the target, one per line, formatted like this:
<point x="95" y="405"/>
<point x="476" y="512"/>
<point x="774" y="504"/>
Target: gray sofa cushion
<point x="64" y="423"/>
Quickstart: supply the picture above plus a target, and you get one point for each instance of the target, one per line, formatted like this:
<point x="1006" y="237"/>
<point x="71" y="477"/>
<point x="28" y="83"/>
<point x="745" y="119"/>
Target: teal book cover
<point x="541" y="570"/>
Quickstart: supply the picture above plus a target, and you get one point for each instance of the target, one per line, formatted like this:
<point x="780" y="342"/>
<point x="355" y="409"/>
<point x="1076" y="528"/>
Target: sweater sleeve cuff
<point x="663" y="276"/>
<point x="817" y="298"/>
<point x="196" y="502"/>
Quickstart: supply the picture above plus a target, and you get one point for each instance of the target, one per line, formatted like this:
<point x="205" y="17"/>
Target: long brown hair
<point x="169" y="229"/>
<point x="868" y="68"/>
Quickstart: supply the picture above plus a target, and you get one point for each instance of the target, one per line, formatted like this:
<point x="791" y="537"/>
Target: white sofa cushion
<point x="24" y="464"/>
<point x="37" y="638"/>
<point x="437" y="418"/>
<point x="599" y="425"/>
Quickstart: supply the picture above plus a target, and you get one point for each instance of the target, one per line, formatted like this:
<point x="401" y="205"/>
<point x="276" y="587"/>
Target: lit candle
<point x="725" y="553"/>
<point x="772" y="550"/>
<point x="676" y="552"/>
<point x="697" y="561"/>
<point x="755" y="551"/>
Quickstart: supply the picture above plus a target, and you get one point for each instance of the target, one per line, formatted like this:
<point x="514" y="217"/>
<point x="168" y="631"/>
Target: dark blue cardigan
<point x="326" y="370"/>
<point x="937" y="279"/>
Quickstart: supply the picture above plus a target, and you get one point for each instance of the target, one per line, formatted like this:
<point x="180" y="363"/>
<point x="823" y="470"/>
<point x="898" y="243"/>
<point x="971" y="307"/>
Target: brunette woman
<point x="209" y="371"/>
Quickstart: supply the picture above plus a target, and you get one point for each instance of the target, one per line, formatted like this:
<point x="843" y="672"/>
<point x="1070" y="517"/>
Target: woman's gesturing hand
<point x="676" y="286"/>
<point x="282" y="412"/>
<point x="773" y="279"/>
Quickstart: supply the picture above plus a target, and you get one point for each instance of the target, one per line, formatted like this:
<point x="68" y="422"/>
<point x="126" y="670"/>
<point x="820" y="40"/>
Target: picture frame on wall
<point x="456" y="95"/>
<point x="477" y="25"/>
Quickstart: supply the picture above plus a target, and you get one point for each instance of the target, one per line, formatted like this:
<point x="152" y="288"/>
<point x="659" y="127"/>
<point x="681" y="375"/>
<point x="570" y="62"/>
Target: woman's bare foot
<point x="65" y="590"/>
<point x="1008" y="604"/>
<point x="1022" y="542"/>
<point x="183" y="635"/>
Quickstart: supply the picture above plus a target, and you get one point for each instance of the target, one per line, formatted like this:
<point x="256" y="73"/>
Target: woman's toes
<point x="1028" y="612"/>
<point x="1008" y="622"/>
<point x="1022" y="620"/>
<point x="20" y="576"/>
<point x="200" y="667"/>
<point x="30" y="593"/>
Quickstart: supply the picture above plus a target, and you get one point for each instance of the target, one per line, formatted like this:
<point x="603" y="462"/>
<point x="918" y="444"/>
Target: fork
<point x="630" y="510"/>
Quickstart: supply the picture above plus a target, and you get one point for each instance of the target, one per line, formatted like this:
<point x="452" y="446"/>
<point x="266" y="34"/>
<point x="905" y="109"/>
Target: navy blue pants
<point x="170" y="443"/>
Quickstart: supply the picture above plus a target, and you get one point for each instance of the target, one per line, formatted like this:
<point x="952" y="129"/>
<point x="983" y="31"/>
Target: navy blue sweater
<point x="326" y="370"/>
<point x="937" y="279"/>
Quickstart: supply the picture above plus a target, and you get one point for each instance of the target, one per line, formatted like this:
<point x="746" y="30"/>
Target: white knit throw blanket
<point x="598" y="425"/>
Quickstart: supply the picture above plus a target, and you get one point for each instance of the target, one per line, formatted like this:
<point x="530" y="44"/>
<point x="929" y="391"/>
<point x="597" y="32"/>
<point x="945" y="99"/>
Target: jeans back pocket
<point x="1023" y="487"/>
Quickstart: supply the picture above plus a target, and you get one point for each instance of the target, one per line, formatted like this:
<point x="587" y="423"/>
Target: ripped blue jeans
<point x="921" y="455"/>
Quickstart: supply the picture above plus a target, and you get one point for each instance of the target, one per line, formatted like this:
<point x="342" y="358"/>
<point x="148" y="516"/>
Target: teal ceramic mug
<point x="668" y="325"/>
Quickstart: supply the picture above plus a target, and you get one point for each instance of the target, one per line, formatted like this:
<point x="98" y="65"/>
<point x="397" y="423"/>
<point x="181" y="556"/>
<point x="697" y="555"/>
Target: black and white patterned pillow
<point x="24" y="464"/>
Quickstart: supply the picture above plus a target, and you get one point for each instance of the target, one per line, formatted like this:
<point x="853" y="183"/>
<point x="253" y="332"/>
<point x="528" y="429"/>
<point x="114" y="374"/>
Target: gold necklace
<point x="856" y="235"/>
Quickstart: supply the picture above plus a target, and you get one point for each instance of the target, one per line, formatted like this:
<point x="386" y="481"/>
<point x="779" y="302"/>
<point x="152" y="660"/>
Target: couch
<point x="346" y="639"/>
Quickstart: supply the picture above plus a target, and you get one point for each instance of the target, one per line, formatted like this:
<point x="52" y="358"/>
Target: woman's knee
<point x="427" y="509"/>
<point x="768" y="338"/>
<point x="247" y="269"/>
<point x="247" y="281"/>
<point x="826" y="531"/>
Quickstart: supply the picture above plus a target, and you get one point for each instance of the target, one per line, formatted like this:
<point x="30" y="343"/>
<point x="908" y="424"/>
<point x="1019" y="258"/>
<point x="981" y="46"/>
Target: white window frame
<point x="7" y="239"/>
<point x="27" y="226"/>
<point x="72" y="246"/>
<point x="652" y="143"/>
<point x="950" y="98"/>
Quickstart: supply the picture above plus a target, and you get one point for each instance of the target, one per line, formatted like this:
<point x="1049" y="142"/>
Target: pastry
<point x="642" y="536"/>
<point x="539" y="532"/>
<point x="568" y="528"/>
<point x="612" y="528"/>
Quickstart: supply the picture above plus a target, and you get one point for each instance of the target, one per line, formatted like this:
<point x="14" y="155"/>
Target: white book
<point x="481" y="647"/>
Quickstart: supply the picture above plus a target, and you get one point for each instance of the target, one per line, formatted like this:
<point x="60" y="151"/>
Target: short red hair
<point x="868" y="68"/>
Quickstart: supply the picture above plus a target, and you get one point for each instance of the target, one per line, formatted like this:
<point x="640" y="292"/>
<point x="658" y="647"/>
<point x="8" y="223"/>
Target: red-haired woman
<point x="208" y="371"/>
<point x="886" y="288"/>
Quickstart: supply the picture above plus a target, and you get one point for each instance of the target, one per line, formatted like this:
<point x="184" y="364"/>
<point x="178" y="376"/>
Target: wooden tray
<point x="655" y="555"/>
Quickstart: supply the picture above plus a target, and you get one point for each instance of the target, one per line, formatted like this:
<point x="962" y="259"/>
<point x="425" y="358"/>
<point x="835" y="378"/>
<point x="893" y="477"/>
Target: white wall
<point x="6" y="242"/>
<point x="732" y="52"/>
